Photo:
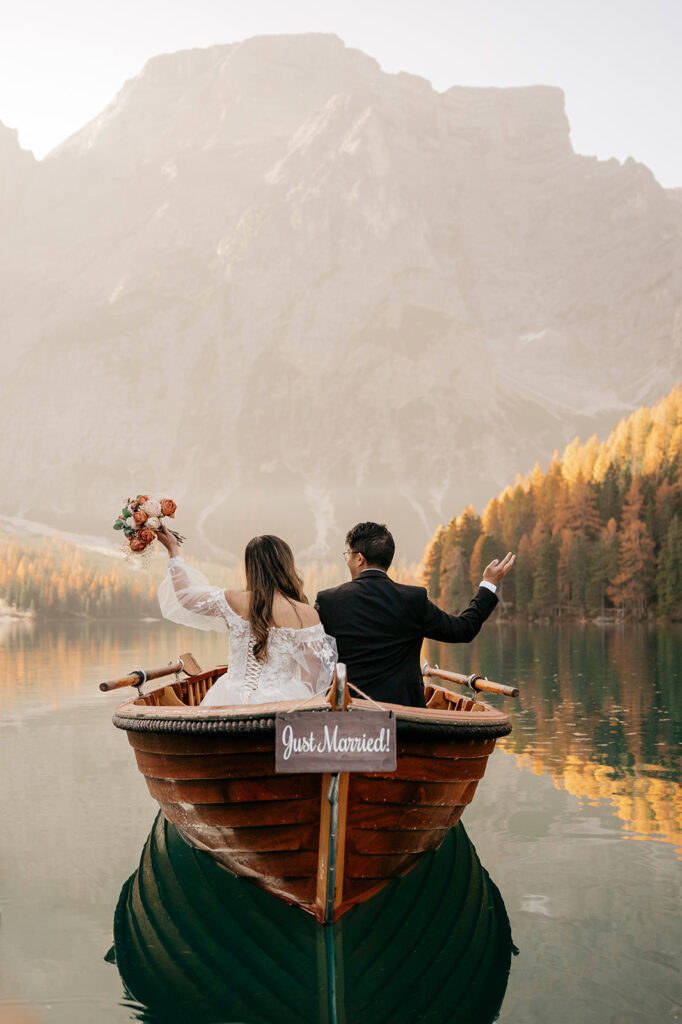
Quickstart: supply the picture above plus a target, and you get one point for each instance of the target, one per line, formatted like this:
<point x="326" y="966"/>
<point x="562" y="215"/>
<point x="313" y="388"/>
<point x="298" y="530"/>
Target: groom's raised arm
<point x="457" y="629"/>
<point x="462" y="628"/>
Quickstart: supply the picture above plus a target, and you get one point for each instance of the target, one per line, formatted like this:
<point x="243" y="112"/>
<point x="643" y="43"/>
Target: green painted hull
<point x="194" y="943"/>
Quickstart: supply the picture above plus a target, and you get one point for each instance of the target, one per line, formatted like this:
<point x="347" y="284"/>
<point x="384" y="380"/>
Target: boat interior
<point x="189" y="691"/>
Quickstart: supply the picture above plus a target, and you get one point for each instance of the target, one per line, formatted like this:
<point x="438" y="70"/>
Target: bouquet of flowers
<point x="141" y="520"/>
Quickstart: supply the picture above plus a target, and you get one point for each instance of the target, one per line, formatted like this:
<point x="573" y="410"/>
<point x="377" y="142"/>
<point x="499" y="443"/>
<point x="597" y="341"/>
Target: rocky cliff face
<point x="295" y="292"/>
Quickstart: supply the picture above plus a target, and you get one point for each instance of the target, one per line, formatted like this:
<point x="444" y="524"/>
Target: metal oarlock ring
<point x="471" y="682"/>
<point x="142" y="679"/>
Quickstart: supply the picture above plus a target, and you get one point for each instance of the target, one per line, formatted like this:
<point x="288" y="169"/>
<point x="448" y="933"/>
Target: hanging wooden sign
<point x="356" y="741"/>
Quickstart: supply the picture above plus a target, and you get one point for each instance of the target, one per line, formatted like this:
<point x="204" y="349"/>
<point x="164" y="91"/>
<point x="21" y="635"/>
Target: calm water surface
<point x="578" y="824"/>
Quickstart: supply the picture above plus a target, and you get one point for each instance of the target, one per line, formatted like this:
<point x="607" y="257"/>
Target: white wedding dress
<point x="298" y="664"/>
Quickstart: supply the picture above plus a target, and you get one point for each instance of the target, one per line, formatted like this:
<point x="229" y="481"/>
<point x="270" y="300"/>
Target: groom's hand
<point x="497" y="570"/>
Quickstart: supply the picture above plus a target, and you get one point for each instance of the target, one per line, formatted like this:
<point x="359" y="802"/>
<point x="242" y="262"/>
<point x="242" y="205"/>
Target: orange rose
<point x="137" y="544"/>
<point x="168" y="507"/>
<point x="139" y="517"/>
<point x="141" y="498"/>
<point x="146" y="536"/>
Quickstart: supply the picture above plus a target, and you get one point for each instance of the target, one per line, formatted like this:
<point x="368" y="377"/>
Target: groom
<point x="380" y="625"/>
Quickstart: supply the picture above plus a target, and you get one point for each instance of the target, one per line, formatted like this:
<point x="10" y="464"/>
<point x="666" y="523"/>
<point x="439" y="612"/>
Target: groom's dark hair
<point x="374" y="541"/>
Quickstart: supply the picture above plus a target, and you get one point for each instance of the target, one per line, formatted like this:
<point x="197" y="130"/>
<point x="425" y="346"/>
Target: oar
<point x="473" y="681"/>
<point x="185" y="663"/>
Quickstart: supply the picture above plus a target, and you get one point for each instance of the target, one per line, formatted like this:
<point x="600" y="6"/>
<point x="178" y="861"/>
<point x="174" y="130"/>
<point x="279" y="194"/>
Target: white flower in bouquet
<point x="153" y="523"/>
<point x="152" y="507"/>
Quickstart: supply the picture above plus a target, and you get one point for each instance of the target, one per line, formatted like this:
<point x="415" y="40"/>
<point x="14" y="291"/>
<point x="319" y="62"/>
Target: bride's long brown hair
<point x="269" y="565"/>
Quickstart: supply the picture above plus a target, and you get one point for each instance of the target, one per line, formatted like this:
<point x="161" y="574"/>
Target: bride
<point x="278" y="647"/>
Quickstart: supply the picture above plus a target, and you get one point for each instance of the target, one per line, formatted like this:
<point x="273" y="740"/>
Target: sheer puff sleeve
<point x="316" y="654"/>
<point x="186" y="597"/>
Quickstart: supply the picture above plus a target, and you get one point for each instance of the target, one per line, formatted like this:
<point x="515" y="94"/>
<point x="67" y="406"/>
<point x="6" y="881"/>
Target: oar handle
<point x="186" y="663"/>
<point x="474" y="682"/>
<point x="140" y="675"/>
<point x="484" y="684"/>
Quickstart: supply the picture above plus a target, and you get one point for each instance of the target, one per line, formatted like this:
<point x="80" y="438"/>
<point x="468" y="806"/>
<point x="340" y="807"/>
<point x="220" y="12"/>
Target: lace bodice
<point x="299" y="662"/>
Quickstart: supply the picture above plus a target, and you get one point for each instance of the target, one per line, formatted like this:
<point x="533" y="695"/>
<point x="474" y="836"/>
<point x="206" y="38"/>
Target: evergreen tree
<point x="545" y="582"/>
<point x="523" y="572"/>
<point x="669" y="574"/>
<point x="577" y="572"/>
<point x="666" y="503"/>
<point x="609" y="497"/>
<point x="563" y="586"/>
<point x="468" y="530"/>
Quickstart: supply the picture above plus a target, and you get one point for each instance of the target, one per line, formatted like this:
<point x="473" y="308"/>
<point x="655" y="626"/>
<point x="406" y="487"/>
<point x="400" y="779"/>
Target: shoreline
<point x="9" y="616"/>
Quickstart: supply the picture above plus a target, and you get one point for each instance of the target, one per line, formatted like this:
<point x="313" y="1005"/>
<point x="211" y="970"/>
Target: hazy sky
<point x="618" y="61"/>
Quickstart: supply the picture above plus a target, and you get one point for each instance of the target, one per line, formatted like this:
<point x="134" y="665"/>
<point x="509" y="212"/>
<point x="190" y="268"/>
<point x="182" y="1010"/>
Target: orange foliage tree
<point x="598" y="532"/>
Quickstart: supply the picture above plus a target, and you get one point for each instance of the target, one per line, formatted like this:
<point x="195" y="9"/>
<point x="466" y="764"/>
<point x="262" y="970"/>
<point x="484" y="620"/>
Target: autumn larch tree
<point x="632" y="586"/>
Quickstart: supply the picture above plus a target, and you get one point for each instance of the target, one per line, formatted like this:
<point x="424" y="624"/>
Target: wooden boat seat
<point x="168" y="698"/>
<point x="440" y="699"/>
<point x="187" y="692"/>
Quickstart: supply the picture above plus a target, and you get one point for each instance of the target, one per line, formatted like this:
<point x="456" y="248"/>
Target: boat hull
<point x="193" y="942"/>
<point x="212" y="772"/>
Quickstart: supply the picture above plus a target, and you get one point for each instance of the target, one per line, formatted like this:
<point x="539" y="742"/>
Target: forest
<point x="52" y="578"/>
<point x="598" y="535"/>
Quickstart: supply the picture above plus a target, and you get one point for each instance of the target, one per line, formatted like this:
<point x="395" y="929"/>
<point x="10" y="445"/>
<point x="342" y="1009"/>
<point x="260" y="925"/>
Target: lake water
<point x="578" y="823"/>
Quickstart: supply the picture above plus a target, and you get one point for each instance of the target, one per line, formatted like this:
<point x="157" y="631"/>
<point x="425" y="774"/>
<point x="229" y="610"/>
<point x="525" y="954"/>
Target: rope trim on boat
<point x="193" y="725"/>
<point x="474" y="730"/>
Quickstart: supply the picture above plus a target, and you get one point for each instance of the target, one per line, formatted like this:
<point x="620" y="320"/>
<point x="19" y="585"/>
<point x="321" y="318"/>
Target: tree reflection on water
<point x="600" y="711"/>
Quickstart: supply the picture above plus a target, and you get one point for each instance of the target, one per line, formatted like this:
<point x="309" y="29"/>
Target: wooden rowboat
<point x="194" y="943"/>
<point x="212" y="772"/>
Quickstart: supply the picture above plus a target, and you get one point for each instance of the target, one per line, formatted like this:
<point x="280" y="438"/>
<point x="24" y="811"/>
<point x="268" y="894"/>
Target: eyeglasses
<point x="347" y="553"/>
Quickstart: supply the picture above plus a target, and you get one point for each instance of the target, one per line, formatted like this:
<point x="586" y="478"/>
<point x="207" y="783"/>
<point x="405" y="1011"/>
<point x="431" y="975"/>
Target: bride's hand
<point x="165" y="537"/>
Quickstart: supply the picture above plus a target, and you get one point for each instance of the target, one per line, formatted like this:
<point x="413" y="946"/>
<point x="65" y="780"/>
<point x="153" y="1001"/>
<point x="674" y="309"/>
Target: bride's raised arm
<point x="187" y="597"/>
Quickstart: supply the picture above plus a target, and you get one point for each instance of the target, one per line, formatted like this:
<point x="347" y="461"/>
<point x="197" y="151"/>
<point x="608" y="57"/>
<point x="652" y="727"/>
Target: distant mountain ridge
<point x="295" y="292"/>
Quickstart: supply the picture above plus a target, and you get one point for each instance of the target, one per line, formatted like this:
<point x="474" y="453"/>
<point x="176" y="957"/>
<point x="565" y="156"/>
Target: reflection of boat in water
<point x="193" y="942"/>
<point x="212" y="771"/>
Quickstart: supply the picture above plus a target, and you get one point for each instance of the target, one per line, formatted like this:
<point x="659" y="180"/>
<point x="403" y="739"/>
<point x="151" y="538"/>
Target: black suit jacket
<point x="380" y="625"/>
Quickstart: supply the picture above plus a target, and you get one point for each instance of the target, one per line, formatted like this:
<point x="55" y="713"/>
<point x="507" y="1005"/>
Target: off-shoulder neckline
<point x="235" y="614"/>
<point x="278" y="629"/>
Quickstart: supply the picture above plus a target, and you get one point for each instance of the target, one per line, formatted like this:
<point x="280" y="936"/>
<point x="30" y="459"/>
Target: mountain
<point x="294" y="291"/>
